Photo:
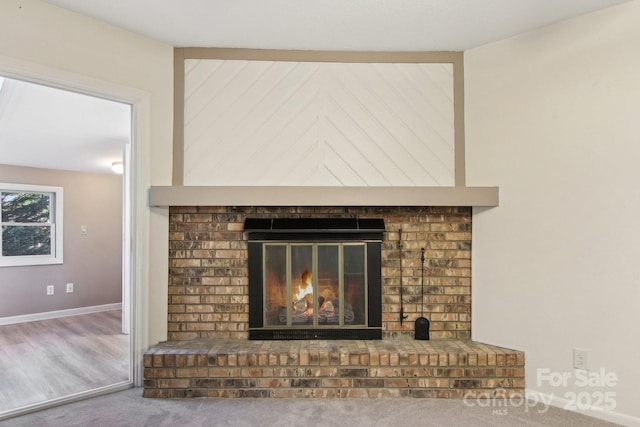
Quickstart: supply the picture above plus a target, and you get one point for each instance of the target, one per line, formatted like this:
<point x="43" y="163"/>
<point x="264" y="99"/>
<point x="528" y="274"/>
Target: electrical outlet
<point x="50" y="290"/>
<point x="69" y="288"/>
<point x="580" y="358"/>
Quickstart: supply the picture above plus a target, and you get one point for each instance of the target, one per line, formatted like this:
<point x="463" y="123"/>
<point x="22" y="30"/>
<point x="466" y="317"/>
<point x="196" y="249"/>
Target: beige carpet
<point x="129" y="408"/>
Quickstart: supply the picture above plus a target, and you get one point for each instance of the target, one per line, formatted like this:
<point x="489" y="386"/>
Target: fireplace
<point x="208" y="289"/>
<point x="314" y="278"/>
<point x="212" y="306"/>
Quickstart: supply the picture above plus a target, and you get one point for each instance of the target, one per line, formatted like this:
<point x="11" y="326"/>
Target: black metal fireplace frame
<point x="261" y="230"/>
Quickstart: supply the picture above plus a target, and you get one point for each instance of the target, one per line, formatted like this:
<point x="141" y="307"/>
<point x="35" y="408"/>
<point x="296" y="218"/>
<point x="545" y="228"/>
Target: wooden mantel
<point x="322" y="196"/>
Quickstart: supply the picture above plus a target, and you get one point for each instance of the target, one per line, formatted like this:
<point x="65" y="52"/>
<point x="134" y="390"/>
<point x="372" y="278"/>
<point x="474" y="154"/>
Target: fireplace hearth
<point x="314" y="278"/>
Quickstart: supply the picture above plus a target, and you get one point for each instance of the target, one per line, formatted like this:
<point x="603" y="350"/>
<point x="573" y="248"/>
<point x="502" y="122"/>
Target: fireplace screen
<point x="314" y="283"/>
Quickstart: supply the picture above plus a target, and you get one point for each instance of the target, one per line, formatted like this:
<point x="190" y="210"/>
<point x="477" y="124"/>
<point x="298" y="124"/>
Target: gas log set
<point x="303" y="307"/>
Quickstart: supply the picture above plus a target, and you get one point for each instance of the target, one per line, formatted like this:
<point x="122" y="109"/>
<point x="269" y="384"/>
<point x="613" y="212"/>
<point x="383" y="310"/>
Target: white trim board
<point x="47" y="315"/>
<point x="76" y="397"/>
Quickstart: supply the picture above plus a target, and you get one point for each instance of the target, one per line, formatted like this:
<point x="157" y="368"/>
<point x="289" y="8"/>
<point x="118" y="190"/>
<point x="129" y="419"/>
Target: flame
<point x="305" y="288"/>
<point x="303" y="291"/>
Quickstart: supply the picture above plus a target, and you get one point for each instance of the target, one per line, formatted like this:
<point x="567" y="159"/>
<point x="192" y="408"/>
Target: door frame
<point x="135" y="224"/>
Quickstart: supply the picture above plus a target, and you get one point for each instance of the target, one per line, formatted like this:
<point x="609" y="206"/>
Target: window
<point x="31" y="225"/>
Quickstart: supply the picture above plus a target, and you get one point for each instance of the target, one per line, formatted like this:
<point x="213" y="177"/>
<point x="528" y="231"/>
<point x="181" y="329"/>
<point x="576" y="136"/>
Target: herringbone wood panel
<point x="305" y="123"/>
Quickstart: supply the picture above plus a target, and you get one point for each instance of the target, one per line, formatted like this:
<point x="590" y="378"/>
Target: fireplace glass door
<point x="315" y="285"/>
<point x="315" y="278"/>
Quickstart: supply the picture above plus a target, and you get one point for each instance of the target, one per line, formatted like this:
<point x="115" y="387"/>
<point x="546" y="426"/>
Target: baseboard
<point x="591" y="411"/>
<point x="34" y="317"/>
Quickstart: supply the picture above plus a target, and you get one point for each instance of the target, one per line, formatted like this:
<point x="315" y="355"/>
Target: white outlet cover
<point x="581" y="358"/>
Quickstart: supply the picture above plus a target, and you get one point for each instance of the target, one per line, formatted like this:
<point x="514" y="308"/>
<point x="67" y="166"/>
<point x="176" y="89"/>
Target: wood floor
<point x="54" y="358"/>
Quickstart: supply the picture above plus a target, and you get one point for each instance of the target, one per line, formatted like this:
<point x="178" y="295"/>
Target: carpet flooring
<point x="129" y="408"/>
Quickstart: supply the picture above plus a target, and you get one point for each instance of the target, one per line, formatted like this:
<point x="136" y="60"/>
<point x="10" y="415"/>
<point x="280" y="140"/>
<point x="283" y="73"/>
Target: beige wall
<point x="51" y="43"/>
<point x="93" y="262"/>
<point x="552" y="118"/>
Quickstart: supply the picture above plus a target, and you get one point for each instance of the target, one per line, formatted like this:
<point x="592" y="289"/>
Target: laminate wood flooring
<point x="49" y="359"/>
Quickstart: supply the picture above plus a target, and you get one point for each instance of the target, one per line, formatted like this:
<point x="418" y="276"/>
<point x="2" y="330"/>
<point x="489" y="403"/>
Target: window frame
<point x="56" y="223"/>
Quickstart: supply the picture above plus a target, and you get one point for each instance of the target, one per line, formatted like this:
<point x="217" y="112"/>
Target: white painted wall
<point x="47" y="43"/>
<point x="553" y="118"/>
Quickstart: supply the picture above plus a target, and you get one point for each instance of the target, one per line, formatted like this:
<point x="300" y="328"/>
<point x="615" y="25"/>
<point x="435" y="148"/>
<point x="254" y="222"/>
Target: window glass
<point x="20" y="240"/>
<point x="26" y="207"/>
<point x="31" y="219"/>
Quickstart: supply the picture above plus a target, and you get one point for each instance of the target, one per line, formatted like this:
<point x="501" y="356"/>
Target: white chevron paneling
<point x="318" y="124"/>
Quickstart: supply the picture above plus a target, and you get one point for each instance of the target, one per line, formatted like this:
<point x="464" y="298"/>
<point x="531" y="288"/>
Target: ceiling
<point x="51" y="128"/>
<point x="371" y="25"/>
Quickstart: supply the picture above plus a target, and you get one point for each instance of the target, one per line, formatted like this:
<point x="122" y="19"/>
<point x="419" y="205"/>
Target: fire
<point x="305" y="288"/>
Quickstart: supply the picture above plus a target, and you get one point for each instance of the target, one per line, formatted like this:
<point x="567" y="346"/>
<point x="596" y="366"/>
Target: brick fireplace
<point x="209" y="353"/>
<point x="214" y="345"/>
<point x="208" y="261"/>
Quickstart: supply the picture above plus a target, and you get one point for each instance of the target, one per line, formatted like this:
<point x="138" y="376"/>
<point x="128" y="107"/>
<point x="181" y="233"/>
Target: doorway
<point x="82" y="302"/>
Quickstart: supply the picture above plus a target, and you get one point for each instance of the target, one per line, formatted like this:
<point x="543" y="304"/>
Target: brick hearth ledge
<point x="332" y="369"/>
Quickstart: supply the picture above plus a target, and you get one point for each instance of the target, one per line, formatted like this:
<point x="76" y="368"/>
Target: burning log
<point x="329" y="313"/>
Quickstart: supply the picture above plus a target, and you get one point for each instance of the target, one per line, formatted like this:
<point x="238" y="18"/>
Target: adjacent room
<point x="63" y="330"/>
